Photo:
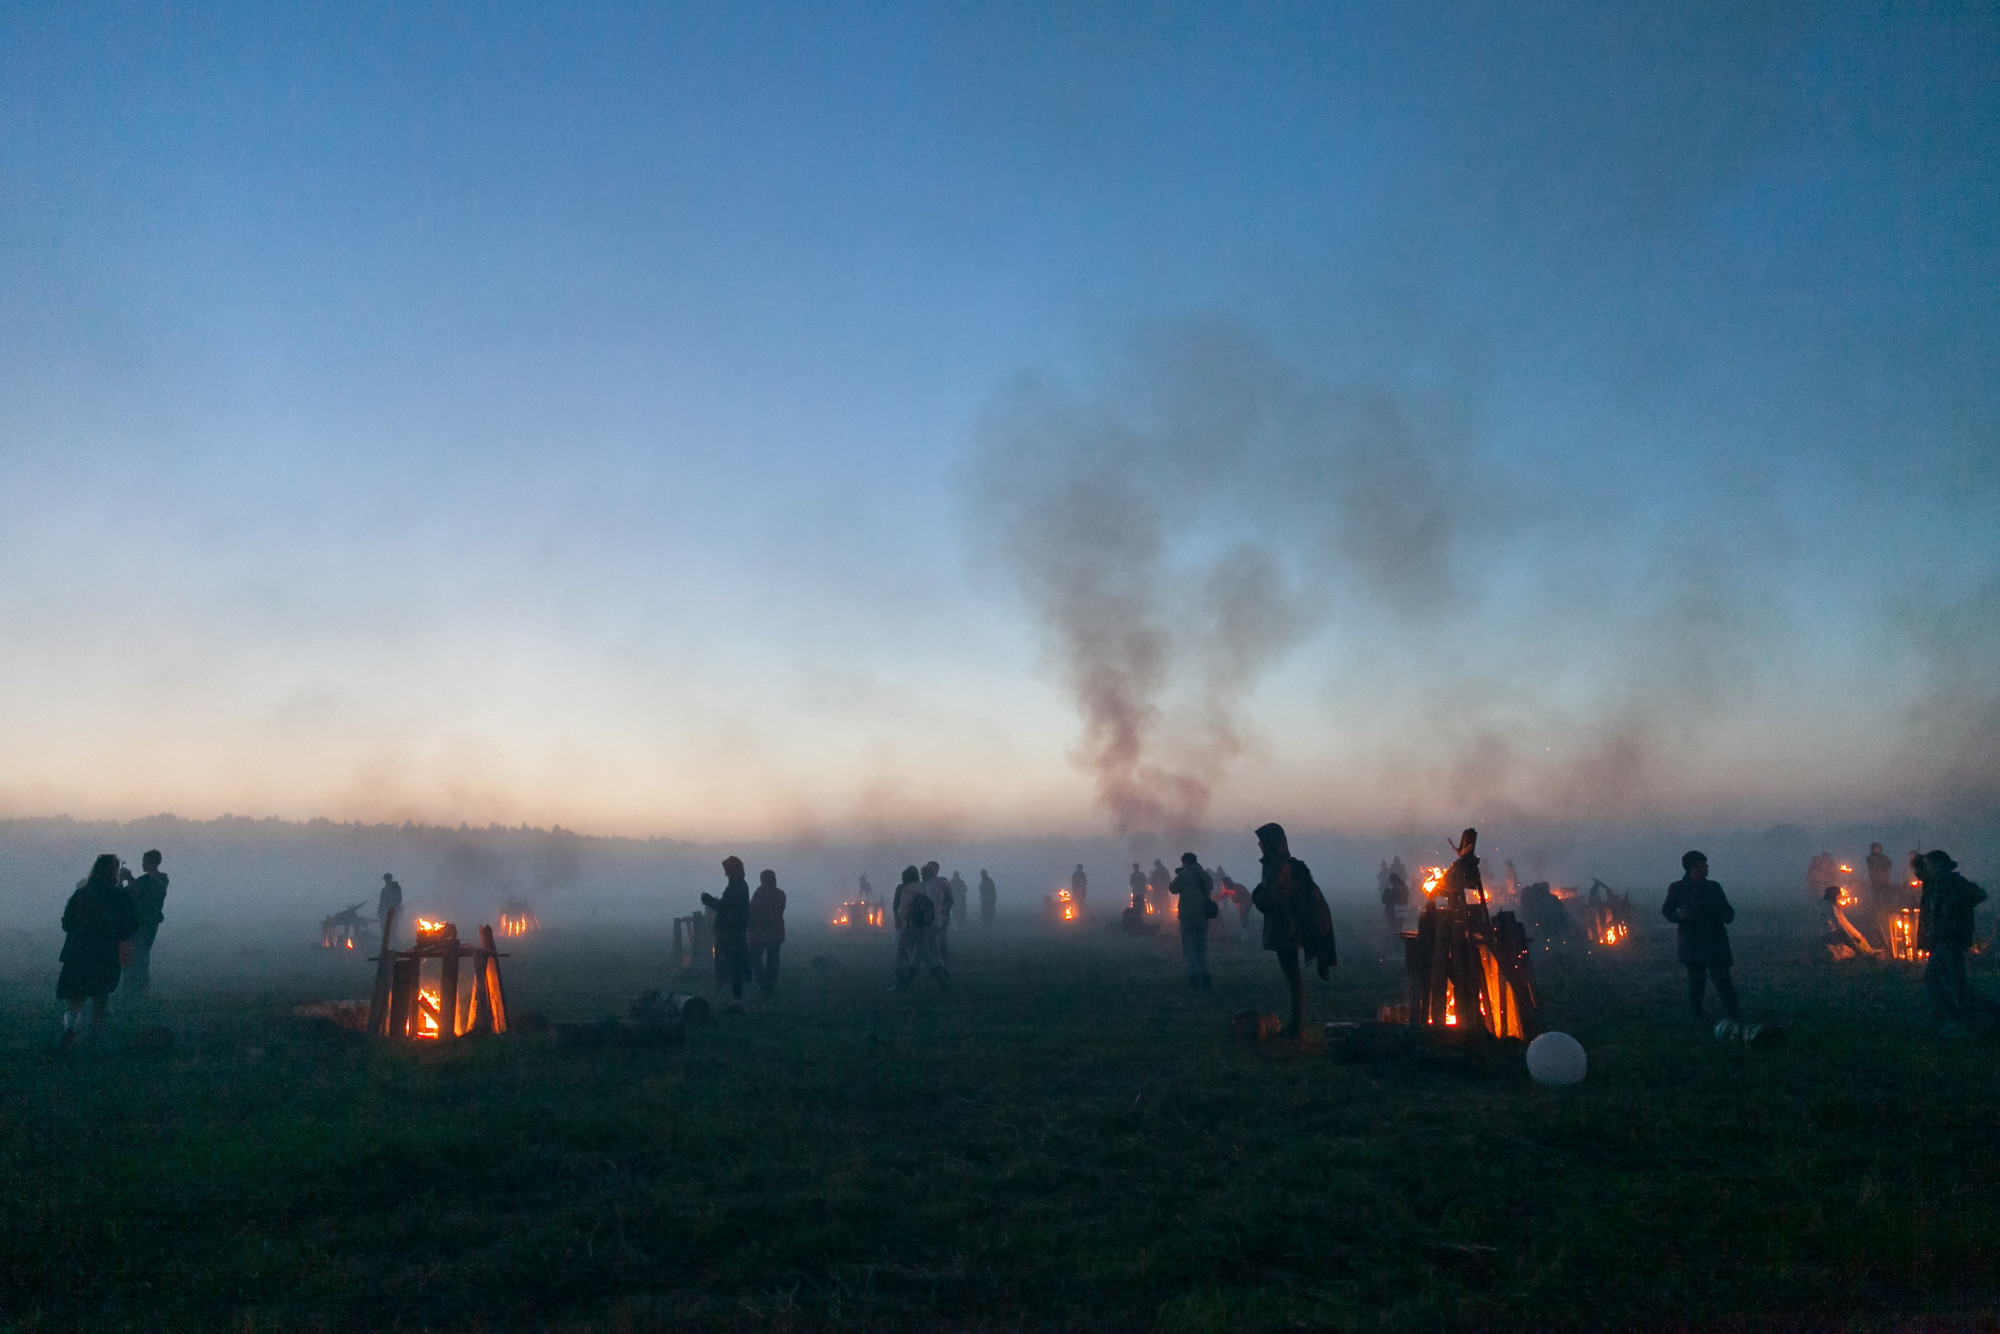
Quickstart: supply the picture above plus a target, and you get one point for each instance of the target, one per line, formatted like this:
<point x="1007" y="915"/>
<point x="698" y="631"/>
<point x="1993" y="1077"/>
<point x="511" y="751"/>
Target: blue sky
<point x="489" y="413"/>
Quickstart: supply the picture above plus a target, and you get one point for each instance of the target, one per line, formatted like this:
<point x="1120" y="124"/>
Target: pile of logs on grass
<point x="403" y="1007"/>
<point x="1466" y="967"/>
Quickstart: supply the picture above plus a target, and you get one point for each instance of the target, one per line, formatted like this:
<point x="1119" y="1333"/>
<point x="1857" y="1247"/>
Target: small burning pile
<point x="339" y="931"/>
<point x="1903" y="933"/>
<point x="518" y="919"/>
<point x="1610" y="915"/>
<point x="1063" y="907"/>
<point x="859" y="912"/>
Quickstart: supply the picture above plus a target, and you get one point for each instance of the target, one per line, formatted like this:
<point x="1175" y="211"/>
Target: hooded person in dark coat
<point x="1697" y="906"/>
<point x="98" y="923"/>
<point x="1945" y="929"/>
<point x="732" y="922"/>
<point x="766" y="932"/>
<point x="1296" y="918"/>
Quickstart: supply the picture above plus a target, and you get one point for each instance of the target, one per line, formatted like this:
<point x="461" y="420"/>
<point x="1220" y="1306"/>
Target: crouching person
<point x="98" y="925"/>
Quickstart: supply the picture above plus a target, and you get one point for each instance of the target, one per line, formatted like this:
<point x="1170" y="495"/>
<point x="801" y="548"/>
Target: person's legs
<point x="1937" y="986"/>
<point x="1189" y="946"/>
<point x="1288" y="964"/>
<point x="72" y="1019"/>
<point x="770" y="979"/>
<point x="1725" y="989"/>
<point x="1201" y="952"/>
<point x="1697" y="983"/>
<point x="139" y="973"/>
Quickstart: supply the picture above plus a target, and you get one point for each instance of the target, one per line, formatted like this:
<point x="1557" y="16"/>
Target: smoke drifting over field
<point x="1173" y="536"/>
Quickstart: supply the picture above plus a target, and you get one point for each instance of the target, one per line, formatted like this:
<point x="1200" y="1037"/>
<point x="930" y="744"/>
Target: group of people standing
<point x="749" y="929"/>
<point x="922" y="911"/>
<point x="109" y="926"/>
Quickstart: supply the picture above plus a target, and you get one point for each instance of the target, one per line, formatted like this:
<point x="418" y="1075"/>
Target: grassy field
<point x="1065" y="1139"/>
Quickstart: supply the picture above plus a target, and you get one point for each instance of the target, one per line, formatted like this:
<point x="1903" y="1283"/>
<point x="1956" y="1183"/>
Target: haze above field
<point x="879" y="423"/>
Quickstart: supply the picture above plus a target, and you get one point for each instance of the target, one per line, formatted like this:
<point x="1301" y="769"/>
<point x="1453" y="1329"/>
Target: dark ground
<point x="1066" y="1139"/>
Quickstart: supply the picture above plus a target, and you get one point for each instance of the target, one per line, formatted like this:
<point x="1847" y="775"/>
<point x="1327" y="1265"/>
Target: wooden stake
<point x="378" y="999"/>
<point x="496" y="997"/>
<point x="448" y="985"/>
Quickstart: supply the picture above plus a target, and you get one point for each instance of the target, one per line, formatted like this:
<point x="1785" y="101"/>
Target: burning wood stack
<point x="1610" y="915"/>
<point x="1062" y="906"/>
<point x="859" y="912"/>
<point x="1466" y="965"/>
<point x="340" y="930"/>
<point x="406" y="1004"/>
<point x="518" y="919"/>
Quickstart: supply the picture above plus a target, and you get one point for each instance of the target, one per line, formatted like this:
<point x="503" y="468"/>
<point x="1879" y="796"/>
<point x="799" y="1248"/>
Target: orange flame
<point x="428" y="1008"/>
<point x="1433" y="879"/>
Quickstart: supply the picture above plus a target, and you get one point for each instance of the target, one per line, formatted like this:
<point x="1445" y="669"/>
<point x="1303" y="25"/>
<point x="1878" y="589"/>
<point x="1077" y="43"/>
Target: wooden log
<point x="378" y="999"/>
<point x="448" y="986"/>
<point x="496" y="995"/>
<point x="403" y="994"/>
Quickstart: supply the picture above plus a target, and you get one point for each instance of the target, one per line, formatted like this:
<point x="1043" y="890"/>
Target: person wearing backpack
<point x="915" y="915"/>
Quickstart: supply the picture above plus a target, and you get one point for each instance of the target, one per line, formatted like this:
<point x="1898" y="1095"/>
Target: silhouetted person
<point x="387" y="905"/>
<point x="1078" y="883"/>
<point x="1137" y="881"/>
<point x="98" y="923"/>
<point x="1395" y="896"/>
<point x="1236" y="894"/>
<point x="1296" y="917"/>
<point x="1698" y="907"/>
<point x="765" y="933"/>
<point x="1195" y="890"/>
<point x="1157" y="881"/>
<point x="939" y="890"/>
<point x="866" y="892"/>
<point x="914" y="914"/>
<point x="1883" y="897"/>
<point x="1944" y="927"/>
<point x="989" y="897"/>
<point x="149" y="899"/>
<point x="732" y="921"/>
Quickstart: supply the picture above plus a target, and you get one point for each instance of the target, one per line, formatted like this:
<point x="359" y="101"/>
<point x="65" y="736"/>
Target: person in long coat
<point x="732" y="921"/>
<point x="98" y="924"/>
<point x="766" y="932"/>
<point x="914" y="914"/>
<point x="1296" y="918"/>
<point x="1698" y="907"/>
<point x="1944" y="930"/>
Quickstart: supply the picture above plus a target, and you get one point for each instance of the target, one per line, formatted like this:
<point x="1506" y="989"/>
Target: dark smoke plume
<point x="1176" y="532"/>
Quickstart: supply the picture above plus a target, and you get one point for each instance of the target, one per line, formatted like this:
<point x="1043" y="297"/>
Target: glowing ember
<point x="1612" y="933"/>
<point x="426" y="927"/>
<point x="1433" y="880"/>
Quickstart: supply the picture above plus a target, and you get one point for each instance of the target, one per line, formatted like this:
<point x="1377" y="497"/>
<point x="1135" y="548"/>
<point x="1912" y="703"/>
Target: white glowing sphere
<point x="1557" y="1059"/>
